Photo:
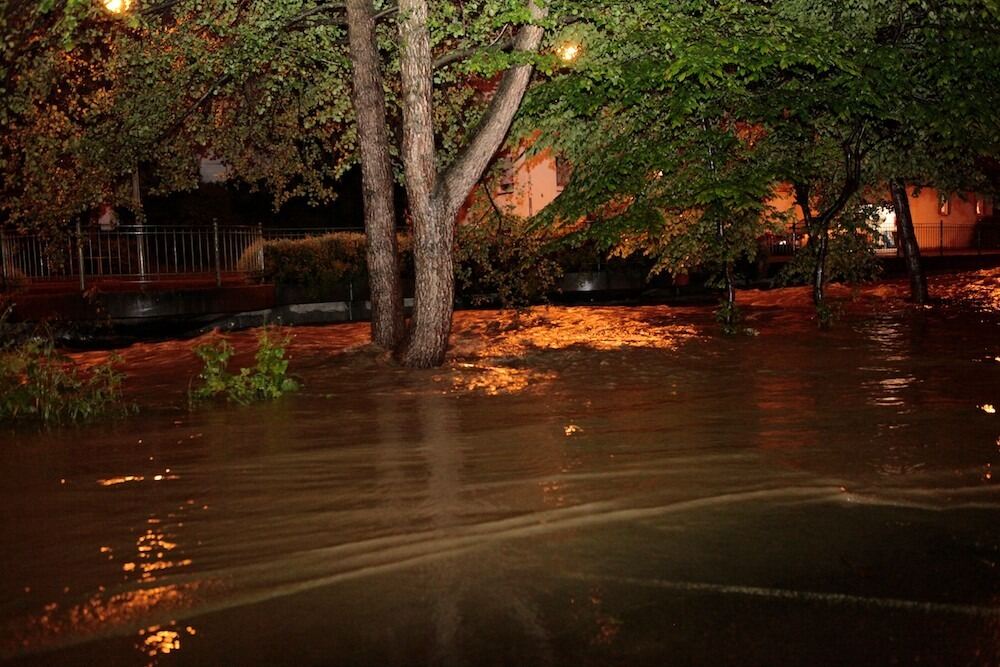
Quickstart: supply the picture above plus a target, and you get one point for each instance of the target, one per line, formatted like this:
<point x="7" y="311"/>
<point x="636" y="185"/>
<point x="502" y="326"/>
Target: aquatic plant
<point x="730" y="318"/>
<point x="37" y="382"/>
<point x="267" y="379"/>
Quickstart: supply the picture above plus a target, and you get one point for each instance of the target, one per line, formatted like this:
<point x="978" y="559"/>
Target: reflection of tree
<point x="481" y="579"/>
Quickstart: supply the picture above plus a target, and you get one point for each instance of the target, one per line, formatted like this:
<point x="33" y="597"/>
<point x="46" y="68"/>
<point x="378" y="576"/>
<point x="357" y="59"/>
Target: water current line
<point x="832" y="599"/>
<point x="309" y="570"/>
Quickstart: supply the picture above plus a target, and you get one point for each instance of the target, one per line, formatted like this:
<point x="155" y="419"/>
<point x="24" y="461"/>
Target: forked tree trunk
<point x="908" y="240"/>
<point x="368" y="98"/>
<point x="435" y="199"/>
<point x="822" y="250"/>
<point x="819" y="238"/>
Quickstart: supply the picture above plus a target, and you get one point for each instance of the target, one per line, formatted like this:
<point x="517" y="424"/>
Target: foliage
<point x="665" y="164"/>
<point x="267" y="379"/>
<point x="39" y="383"/>
<point x="319" y="261"/>
<point x="681" y="118"/>
<point x="852" y="257"/>
<point x="502" y="257"/>
<point x="730" y="319"/>
<point x="86" y="96"/>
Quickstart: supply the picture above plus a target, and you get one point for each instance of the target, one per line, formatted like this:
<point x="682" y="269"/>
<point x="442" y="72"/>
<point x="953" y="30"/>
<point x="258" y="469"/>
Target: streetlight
<point x="117" y="6"/>
<point x="568" y="52"/>
<point x="121" y="7"/>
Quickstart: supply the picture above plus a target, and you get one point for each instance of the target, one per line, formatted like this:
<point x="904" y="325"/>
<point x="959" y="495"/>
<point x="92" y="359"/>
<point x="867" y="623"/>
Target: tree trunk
<point x="435" y="202"/>
<point x="908" y="239"/>
<point x="433" y="234"/>
<point x="368" y="98"/>
<point x="730" y="291"/>
<point x="818" y="240"/>
<point x="822" y="248"/>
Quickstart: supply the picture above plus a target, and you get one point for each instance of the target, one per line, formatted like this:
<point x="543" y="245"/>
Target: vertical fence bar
<point x="260" y="247"/>
<point x="979" y="241"/>
<point x="79" y="257"/>
<point x="3" y="260"/>
<point x="215" y="243"/>
<point x="940" y="237"/>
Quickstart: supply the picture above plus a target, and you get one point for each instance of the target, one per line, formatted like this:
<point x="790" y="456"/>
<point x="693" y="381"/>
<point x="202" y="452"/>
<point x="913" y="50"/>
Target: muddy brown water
<point x="582" y="486"/>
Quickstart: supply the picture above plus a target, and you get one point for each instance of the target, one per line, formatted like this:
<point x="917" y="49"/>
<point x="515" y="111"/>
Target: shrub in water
<point x="39" y="383"/>
<point x="267" y="379"/>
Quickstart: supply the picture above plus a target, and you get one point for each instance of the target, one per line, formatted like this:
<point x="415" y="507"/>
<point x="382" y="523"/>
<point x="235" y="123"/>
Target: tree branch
<point x="468" y="167"/>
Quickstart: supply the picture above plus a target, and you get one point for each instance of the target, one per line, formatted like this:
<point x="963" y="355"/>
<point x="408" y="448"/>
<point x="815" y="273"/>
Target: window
<point x="506" y="174"/>
<point x="944" y="204"/>
<point x="563" y="172"/>
<point x="980" y="206"/>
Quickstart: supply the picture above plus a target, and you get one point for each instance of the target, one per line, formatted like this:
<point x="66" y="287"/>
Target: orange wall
<point x="535" y="187"/>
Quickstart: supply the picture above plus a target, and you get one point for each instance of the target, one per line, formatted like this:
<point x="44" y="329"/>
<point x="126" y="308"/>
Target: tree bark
<point x="435" y="201"/>
<point x="368" y="98"/>
<point x="433" y="236"/>
<point x="819" y="238"/>
<point x="908" y="240"/>
<point x="730" y="291"/>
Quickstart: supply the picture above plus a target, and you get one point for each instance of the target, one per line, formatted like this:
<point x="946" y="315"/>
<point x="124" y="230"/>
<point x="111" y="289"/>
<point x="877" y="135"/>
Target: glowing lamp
<point x="117" y="6"/>
<point x="568" y="52"/>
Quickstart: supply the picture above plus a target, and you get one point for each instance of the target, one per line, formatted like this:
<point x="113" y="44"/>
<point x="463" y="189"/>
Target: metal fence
<point x="943" y="238"/>
<point x="932" y="237"/>
<point x="139" y="253"/>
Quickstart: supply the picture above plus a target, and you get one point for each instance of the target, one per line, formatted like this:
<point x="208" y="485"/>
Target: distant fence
<point x="943" y="237"/>
<point x="132" y="253"/>
<point x="141" y="253"/>
<point x="932" y="237"/>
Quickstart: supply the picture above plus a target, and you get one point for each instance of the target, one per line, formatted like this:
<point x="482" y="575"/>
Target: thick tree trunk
<point x="388" y="327"/>
<point x="435" y="202"/>
<point x="433" y="233"/>
<point x="908" y="239"/>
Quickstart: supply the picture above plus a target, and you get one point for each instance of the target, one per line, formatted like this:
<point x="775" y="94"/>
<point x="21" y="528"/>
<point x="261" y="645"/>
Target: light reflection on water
<point x="712" y="501"/>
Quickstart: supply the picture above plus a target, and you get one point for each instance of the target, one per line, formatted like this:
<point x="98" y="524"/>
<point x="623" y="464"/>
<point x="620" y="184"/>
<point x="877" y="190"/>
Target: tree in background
<point x="655" y="118"/>
<point x="839" y="101"/>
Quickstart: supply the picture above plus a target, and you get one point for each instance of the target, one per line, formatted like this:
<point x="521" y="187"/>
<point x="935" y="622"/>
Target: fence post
<point x="940" y="238"/>
<point x="260" y="245"/>
<point x="3" y="260"/>
<point x="79" y="256"/>
<point x="215" y="243"/>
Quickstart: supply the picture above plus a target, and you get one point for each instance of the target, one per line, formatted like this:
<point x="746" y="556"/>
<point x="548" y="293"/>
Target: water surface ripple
<point x="791" y="498"/>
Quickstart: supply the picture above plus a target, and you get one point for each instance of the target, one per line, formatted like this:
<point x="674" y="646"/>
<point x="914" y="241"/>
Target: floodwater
<point x="578" y="486"/>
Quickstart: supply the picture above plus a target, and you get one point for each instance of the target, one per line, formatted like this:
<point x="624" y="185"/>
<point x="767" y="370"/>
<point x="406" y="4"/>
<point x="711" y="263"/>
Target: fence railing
<point x="932" y="237"/>
<point x="142" y="253"/>
<point x="942" y="237"/>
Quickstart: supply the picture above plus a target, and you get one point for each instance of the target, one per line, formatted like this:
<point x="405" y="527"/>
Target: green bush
<point x="504" y="259"/>
<point x="39" y="383"/>
<point x="499" y="259"/>
<point x="266" y="380"/>
<point x="318" y="261"/>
